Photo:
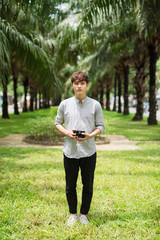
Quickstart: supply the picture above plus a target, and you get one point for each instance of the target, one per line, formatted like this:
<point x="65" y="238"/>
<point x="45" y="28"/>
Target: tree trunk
<point x="25" y="85"/>
<point x="95" y="93"/>
<point x="139" y="108"/>
<point x="119" y="93"/>
<point x="31" y="98"/>
<point x="35" y="99"/>
<point x="5" y="100"/>
<point x="15" y="96"/>
<point x="139" y="84"/>
<point x="115" y="91"/>
<point x="57" y="100"/>
<point x="152" y="96"/>
<point x="40" y="101"/>
<point x="141" y="61"/>
<point x="48" y="103"/>
<point x="108" y="95"/>
<point x="126" y="107"/>
<point x="44" y="101"/>
<point x="101" y="96"/>
<point x="108" y="100"/>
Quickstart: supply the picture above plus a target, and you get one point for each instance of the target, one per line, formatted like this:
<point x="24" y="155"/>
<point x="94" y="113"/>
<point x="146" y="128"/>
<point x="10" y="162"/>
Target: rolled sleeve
<point x="60" y="115"/>
<point x="99" y="121"/>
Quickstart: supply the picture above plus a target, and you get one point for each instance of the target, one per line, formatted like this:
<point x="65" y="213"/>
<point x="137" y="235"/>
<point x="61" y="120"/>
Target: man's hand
<point x="87" y="136"/>
<point x="66" y="132"/>
<point x="70" y="134"/>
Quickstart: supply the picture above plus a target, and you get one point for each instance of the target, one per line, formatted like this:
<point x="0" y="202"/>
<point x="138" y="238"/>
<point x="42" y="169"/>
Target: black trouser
<point x="87" y="166"/>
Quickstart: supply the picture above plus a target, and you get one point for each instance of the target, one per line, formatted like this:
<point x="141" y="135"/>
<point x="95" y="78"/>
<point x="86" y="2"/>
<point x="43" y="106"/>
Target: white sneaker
<point x="83" y="219"/>
<point x="72" y="220"/>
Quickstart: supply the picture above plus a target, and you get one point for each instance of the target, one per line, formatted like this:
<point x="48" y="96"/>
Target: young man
<point x="83" y="114"/>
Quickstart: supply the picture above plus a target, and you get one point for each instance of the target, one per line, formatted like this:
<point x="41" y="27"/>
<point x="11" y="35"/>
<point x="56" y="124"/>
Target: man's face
<point x="80" y="88"/>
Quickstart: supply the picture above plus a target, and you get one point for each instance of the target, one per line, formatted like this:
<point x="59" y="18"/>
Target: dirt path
<point x="117" y="142"/>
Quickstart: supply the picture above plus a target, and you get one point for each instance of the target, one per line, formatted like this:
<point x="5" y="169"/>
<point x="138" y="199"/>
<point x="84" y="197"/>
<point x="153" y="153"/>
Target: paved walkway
<point x="117" y="142"/>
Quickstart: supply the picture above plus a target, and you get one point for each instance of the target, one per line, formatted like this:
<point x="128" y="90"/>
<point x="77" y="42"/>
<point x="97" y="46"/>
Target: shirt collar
<point x="83" y="100"/>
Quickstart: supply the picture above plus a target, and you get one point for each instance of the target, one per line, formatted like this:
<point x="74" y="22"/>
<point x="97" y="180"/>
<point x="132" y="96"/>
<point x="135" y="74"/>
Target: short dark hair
<point x="79" y="77"/>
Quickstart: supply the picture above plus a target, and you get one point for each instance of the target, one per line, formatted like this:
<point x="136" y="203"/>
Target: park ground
<point x="126" y="201"/>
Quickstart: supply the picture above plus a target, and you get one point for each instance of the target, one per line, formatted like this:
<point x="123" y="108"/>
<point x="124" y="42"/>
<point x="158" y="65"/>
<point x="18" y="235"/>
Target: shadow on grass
<point x="13" y="159"/>
<point x="99" y="218"/>
<point x="137" y="173"/>
<point x="145" y="156"/>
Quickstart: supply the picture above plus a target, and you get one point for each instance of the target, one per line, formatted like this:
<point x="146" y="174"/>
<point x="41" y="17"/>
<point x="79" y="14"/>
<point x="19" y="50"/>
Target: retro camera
<point x="79" y="133"/>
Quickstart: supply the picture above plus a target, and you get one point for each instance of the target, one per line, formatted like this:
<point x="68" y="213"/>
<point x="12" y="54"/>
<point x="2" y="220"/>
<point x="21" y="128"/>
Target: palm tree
<point x="115" y="50"/>
<point x="24" y="21"/>
<point x="4" y="70"/>
<point x="148" y="13"/>
<point x="31" y="56"/>
<point x="140" y="63"/>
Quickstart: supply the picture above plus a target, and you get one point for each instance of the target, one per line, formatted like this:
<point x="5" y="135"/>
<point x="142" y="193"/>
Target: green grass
<point x="125" y="203"/>
<point x="17" y="123"/>
<point x="116" y="124"/>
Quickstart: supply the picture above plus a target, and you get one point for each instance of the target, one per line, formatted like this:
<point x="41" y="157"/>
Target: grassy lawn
<point x="116" y="124"/>
<point x="17" y="123"/>
<point x="126" y="201"/>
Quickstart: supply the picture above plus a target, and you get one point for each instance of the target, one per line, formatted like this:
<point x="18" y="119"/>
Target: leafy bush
<point x="43" y="128"/>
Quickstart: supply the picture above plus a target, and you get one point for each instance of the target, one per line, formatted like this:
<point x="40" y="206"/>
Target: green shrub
<point x="43" y="128"/>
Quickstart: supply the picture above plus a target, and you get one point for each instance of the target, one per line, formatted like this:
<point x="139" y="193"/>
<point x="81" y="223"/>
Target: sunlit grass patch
<point x="116" y="124"/>
<point x="125" y="202"/>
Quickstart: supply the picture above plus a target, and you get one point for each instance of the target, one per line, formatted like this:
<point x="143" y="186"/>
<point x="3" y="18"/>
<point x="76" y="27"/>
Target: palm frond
<point x="106" y="9"/>
<point x="118" y="42"/>
<point x="31" y="56"/>
<point x="148" y="15"/>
